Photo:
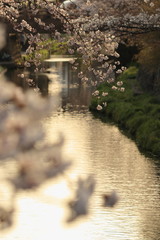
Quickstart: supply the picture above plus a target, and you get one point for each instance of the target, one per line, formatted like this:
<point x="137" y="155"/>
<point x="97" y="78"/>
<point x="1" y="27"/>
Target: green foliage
<point x="44" y="54"/>
<point x="122" y="111"/>
<point x="1" y="69"/>
<point x="131" y="72"/>
<point x="138" y="115"/>
<point x="58" y="48"/>
<point x="51" y="47"/>
<point x="148" y="134"/>
<point x="156" y="149"/>
<point x="133" y="123"/>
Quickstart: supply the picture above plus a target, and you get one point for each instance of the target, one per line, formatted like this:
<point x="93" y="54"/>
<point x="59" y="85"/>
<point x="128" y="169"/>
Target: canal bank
<point x="135" y="112"/>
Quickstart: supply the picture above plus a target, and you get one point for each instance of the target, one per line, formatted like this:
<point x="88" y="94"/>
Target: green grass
<point x="137" y="113"/>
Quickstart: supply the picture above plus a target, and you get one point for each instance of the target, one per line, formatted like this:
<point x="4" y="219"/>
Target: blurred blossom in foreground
<point x="2" y="36"/>
<point x="5" y="218"/>
<point x="34" y="168"/>
<point x="79" y="205"/>
<point x="110" y="199"/>
<point x="22" y="139"/>
<point x="21" y="131"/>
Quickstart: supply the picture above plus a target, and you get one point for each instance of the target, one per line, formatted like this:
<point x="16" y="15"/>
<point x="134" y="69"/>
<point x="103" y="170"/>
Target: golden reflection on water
<point x="99" y="149"/>
<point x="116" y="163"/>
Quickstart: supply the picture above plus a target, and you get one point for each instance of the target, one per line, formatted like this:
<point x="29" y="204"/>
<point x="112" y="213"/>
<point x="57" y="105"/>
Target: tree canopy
<point x="93" y="31"/>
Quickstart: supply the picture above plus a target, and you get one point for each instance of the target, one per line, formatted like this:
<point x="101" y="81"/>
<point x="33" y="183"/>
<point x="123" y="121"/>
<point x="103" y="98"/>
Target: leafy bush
<point x="133" y="123"/>
<point x="148" y="133"/>
<point x="139" y="115"/>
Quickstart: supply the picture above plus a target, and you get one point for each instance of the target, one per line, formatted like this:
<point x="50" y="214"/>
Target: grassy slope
<point x="136" y="112"/>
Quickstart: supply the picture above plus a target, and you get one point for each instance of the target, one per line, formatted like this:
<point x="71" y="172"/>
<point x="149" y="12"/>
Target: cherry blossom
<point x="99" y="107"/>
<point x="79" y="205"/>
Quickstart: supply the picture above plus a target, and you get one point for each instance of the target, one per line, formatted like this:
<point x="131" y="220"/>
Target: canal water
<point x="98" y="149"/>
